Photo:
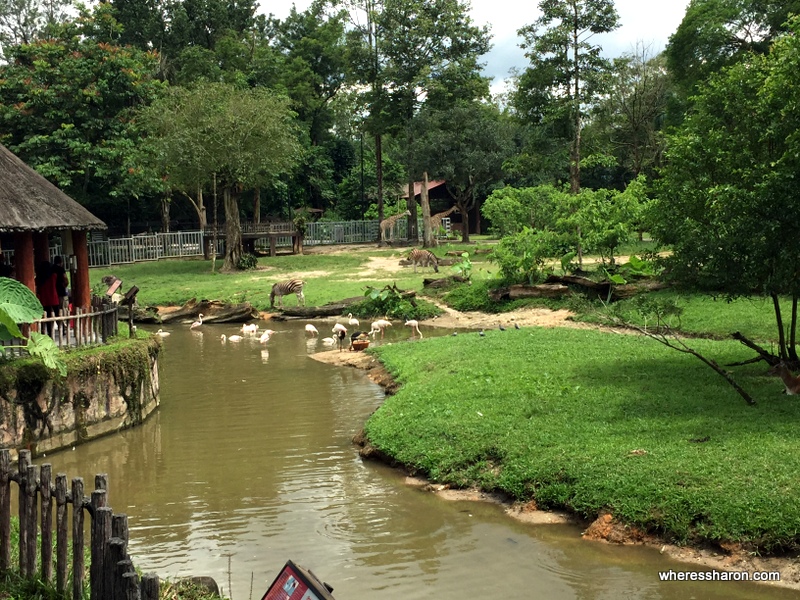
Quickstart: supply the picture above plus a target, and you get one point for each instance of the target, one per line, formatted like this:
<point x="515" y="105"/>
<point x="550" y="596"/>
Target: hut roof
<point x="28" y="202"/>
<point x="418" y="187"/>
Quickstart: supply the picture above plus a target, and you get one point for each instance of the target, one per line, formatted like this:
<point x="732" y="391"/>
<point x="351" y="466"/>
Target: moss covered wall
<point x="106" y="389"/>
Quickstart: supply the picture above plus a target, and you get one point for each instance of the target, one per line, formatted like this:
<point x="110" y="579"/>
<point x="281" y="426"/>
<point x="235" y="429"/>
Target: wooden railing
<point x="74" y="331"/>
<point x="112" y="575"/>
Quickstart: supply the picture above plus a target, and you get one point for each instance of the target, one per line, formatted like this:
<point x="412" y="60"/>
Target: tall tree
<point x="717" y="33"/>
<point x="426" y="43"/>
<point x="366" y="68"/>
<point x="67" y="106"/>
<point x="311" y="45"/>
<point x="567" y="73"/>
<point x="466" y="145"/>
<point x="631" y="117"/>
<point x="24" y="21"/>
<point x="242" y="139"/>
<point x="729" y="202"/>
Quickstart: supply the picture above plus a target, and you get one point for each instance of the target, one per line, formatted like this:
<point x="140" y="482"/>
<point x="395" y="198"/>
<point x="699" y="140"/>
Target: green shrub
<point x="390" y="302"/>
<point x="523" y="257"/>
<point x="247" y="262"/>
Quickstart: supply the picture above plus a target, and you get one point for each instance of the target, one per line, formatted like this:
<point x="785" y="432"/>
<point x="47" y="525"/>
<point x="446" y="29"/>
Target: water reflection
<point x="250" y="459"/>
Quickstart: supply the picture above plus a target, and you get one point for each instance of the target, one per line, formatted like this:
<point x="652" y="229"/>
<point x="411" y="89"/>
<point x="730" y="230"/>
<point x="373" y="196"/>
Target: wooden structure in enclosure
<point x="257" y="231"/>
<point x="31" y="209"/>
<point x="84" y="328"/>
<point x="112" y="575"/>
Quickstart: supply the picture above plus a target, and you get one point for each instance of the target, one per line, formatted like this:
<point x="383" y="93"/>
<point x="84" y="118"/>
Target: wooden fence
<point x="74" y="331"/>
<point x="112" y="575"/>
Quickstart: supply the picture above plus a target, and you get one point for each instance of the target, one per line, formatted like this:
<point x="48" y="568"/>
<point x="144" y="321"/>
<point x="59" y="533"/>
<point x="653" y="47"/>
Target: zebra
<point x="284" y="288"/>
<point x="424" y="258"/>
<point x="387" y="225"/>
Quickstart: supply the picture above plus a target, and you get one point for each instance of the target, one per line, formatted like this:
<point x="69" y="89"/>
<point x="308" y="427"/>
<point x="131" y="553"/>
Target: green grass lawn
<point x="329" y="277"/>
<point x="589" y="421"/>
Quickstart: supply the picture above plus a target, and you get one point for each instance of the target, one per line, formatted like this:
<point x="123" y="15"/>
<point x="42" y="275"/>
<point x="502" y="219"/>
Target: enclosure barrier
<point x="112" y="575"/>
<point x="74" y="331"/>
<point x="139" y="248"/>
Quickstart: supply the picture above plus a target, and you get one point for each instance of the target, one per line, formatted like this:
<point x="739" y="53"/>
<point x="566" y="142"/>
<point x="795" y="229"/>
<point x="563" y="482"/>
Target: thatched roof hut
<point x="29" y="202"/>
<point x="30" y="209"/>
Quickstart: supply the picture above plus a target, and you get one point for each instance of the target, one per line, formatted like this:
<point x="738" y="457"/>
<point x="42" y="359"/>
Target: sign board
<point x="297" y="583"/>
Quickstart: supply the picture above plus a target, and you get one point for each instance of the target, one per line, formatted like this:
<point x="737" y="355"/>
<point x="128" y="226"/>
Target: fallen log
<point x="601" y="289"/>
<point x="213" y="311"/>
<point x="443" y="281"/>
<point x="147" y="314"/>
<point x="332" y="309"/>
<point x="542" y="290"/>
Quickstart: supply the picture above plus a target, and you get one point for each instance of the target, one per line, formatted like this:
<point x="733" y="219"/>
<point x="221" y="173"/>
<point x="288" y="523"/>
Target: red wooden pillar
<point x="23" y="259"/>
<point x="81" y="292"/>
<point x="41" y="247"/>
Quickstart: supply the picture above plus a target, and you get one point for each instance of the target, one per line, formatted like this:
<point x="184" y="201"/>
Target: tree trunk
<point x="233" y="230"/>
<point x="779" y="320"/>
<point x="257" y="206"/>
<point x="165" y="214"/>
<point x="411" y="205"/>
<point x="379" y="178"/>
<point x="427" y="233"/>
<point x="462" y="208"/>
<point x="793" y="330"/>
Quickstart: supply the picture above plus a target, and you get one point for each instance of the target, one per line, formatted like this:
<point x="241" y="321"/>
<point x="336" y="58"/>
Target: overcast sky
<point x="642" y="21"/>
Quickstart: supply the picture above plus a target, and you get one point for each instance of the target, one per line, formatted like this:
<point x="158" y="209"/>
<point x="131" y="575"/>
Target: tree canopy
<point x="728" y="200"/>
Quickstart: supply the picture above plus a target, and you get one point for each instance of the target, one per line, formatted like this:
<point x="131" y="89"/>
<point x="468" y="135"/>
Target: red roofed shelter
<point x="32" y="208"/>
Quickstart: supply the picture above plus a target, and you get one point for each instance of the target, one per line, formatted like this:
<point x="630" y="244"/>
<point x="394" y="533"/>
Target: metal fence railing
<point x="139" y="248"/>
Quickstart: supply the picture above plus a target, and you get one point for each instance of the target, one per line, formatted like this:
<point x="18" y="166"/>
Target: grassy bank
<point x="589" y="422"/>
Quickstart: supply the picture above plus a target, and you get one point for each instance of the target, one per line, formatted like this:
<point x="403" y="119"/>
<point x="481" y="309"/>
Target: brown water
<point x="249" y="461"/>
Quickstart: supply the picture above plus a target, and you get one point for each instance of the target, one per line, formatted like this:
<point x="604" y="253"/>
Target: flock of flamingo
<point x="339" y="331"/>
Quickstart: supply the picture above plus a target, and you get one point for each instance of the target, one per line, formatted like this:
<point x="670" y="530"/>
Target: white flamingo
<point x="233" y="338"/>
<point x="328" y="341"/>
<point x="379" y="326"/>
<point x="414" y="326"/>
<point x="311" y="329"/>
<point x="162" y="333"/>
<point x="352" y="321"/>
<point x="250" y="328"/>
<point x="265" y="336"/>
<point x="339" y="332"/>
<point x="197" y="323"/>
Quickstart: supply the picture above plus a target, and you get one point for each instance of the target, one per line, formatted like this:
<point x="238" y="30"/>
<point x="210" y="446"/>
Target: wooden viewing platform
<point x="256" y="231"/>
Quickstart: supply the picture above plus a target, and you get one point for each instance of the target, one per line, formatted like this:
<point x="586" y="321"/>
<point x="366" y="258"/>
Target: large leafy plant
<point x="19" y="305"/>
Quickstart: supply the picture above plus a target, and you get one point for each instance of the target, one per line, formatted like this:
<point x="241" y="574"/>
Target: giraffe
<point x="387" y="225"/>
<point x="436" y="222"/>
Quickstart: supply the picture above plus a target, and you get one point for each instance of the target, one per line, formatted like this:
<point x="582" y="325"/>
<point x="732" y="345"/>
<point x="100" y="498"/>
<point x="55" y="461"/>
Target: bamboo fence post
<point x="62" y="542"/>
<point x="121" y="568"/>
<point x="45" y="478"/>
<point x="101" y="483"/>
<point x="131" y="586"/>
<point x="149" y="587"/>
<point x="5" y="510"/>
<point x="97" y="543"/>
<point x="119" y="528"/>
<point x="114" y="554"/>
<point x="77" y="539"/>
<point x="22" y="466"/>
<point x="32" y="521"/>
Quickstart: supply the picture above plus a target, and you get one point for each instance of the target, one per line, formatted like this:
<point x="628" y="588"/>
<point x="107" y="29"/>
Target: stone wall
<point x="105" y="390"/>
